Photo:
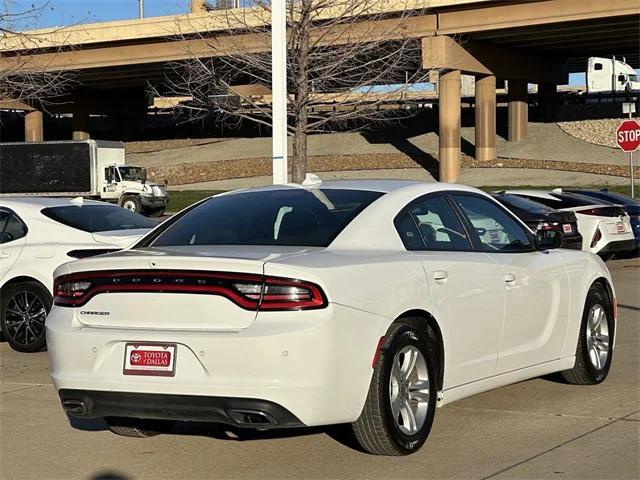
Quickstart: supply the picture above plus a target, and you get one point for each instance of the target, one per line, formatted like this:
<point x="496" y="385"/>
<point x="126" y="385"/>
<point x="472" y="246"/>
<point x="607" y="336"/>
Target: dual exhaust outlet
<point x="243" y="418"/>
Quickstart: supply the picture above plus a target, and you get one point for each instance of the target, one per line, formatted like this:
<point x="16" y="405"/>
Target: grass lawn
<point x="183" y="198"/>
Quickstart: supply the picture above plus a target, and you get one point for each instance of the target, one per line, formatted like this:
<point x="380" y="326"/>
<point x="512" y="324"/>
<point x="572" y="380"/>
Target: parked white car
<point x="368" y="302"/>
<point x="605" y="227"/>
<point x="39" y="234"/>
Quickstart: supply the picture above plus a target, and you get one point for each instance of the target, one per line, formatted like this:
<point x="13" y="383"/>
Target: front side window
<point x="495" y="230"/>
<point x="13" y="228"/>
<point x="285" y="217"/>
<point x="436" y="224"/>
<point x="98" y="218"/>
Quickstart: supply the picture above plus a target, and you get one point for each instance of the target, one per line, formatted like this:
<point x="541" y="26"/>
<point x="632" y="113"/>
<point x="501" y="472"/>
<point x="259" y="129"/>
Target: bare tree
<point x="21" y="79"/>
<point x="350" y="62"/>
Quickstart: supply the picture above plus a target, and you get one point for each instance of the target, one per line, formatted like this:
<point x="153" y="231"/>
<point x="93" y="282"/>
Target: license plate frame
<point x="153" y="361"/>
<point x="620" y="227"/>
<point x="567" y="229"/>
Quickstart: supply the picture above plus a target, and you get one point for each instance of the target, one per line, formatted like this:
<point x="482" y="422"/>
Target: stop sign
<point x="628" y="135"/>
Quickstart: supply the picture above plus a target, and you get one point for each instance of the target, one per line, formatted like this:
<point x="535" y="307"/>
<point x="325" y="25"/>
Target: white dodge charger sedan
<point x="39" y="234"/>
<point x="362" y="302"/>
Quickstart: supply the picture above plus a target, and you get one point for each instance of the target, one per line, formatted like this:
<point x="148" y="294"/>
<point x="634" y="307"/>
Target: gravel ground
<point x="592" y="123"/>
<point x="227" y="169"/>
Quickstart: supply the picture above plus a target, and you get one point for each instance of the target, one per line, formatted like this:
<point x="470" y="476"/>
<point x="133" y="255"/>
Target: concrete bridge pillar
<point x="518" y="110"/>
<point x="33" y="126"/>
<point x="198" y="6"/>
<point x="80" y="121"/>
<point x="449" y="85"/>
<point x="485" y="117"/>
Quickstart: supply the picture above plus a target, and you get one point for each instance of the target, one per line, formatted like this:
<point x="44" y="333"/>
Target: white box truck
<point x="90" y="168"/>
<point x="608" y="75"/>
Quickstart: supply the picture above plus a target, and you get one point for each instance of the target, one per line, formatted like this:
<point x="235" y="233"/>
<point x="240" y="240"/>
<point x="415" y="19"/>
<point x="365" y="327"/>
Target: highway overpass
<point x="520" y="41"/>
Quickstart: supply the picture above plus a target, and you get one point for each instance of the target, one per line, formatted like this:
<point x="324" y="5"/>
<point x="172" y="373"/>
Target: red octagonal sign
<point x="628" y="135"/>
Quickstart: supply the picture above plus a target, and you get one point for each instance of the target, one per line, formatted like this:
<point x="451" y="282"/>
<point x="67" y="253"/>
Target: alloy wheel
<point x="409" y="390"/>
<point x="597" y="331"/>
<point x="24" y="318"/>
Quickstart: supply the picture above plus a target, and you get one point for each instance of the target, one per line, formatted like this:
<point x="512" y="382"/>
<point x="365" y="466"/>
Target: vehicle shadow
<point x="339" y="433"/>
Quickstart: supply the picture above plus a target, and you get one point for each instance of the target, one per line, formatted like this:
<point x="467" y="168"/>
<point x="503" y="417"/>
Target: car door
<point x="465" y="287"/>
<point x="12" y="240"/>
<point x="535" y="283"/>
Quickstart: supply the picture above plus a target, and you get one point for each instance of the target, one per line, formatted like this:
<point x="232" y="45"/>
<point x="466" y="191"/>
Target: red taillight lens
<point x="596" y="237"/>
<point x="68" y="291"/>
<point x="284" y="294"/>
<point x="250" y="292"/>
<point x="604" y="211"/>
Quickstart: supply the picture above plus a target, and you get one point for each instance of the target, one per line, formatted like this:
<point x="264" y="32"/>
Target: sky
<point x="67" y="12"/>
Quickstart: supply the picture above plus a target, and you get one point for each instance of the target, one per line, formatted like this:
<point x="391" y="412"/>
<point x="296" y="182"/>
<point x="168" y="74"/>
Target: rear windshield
<point x="611" y="197"/>
<point x="523" y="203"/>
<point x="567" y="200"/>
<point x="288" y="217"/>
<point x="98" y="218"/>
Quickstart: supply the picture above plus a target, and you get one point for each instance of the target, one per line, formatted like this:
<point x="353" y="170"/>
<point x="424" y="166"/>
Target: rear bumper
<point x="314" y="364"/>
<point x="618" y="246"/>
<point x="241" y="412"/>
<point x="573" y="243"/>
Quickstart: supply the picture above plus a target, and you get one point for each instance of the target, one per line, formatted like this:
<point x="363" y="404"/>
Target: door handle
<point x="510" y="278"/>
<point x="440" y="276"/>
<point x="5" y="255"/>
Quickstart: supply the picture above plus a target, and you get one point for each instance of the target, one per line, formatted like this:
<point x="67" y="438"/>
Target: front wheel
<point x="595" y="343"/>
<point x="400" y="405"/>
<point x="131" y="202"/>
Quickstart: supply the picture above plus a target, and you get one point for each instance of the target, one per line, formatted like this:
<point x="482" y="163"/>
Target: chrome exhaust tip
<point x="252" y="418"/>
<point x="75" y="407"/>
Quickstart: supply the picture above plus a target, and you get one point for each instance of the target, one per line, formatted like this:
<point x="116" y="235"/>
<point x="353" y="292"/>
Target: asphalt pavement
<point x="535" y="429"/>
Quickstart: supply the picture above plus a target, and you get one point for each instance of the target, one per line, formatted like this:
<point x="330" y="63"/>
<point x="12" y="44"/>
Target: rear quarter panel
<point x="583" y="270"/>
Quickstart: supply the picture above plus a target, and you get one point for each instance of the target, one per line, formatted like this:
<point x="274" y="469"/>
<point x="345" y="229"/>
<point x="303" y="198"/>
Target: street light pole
<point x="279" y="90"/>
<point x="141" y="8"/>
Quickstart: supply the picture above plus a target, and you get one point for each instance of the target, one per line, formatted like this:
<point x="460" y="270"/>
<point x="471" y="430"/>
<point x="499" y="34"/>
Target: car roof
<point x="383" y="186"/>
<point x="35" y="204"/>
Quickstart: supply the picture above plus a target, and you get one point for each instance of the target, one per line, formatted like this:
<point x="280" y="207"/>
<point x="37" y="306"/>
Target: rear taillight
<point x="535" y="226"/>
<point x="250" y="292"/>
<point x="597" y="236"/>
<point x="604" y="212"/>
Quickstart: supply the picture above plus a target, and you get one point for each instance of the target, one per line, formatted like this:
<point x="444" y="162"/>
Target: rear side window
<point x="286" y="217"/>
<point x="11" y="228"/>
<point x="4" y="216"/>
<point x="98" y="218"/>
<point x="496" y="230"/>
<point x="435" y="224"/>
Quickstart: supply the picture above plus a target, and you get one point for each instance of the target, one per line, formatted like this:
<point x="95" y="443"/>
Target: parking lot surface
<point x="535" y="429"/>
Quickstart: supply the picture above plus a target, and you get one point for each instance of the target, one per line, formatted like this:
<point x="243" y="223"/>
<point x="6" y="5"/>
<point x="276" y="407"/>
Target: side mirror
<point x="549" y="239"/>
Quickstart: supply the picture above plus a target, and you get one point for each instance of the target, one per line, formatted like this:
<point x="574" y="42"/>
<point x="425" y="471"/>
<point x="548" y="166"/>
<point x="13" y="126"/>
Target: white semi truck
<point x="609" y="75"/>
<point x="90" y="169"/>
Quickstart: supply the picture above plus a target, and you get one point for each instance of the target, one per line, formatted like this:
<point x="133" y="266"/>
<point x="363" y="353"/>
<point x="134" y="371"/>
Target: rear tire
<point x="23" y="309"/>
<point x="137" y="427"/>
<point x="594" y="351"/>
<point x="400" y="406"/>
<point x="131" y="202"/>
